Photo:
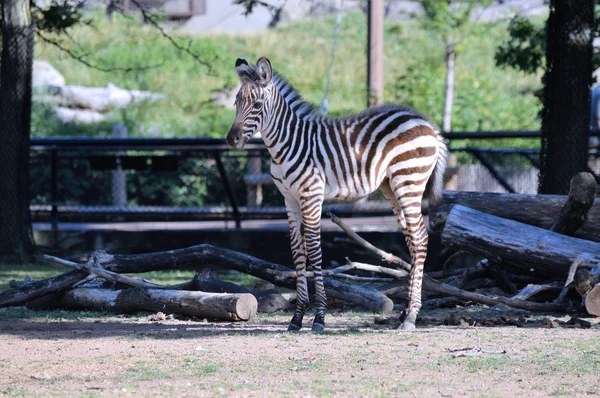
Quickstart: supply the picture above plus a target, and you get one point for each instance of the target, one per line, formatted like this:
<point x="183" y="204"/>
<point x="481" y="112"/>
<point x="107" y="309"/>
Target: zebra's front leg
<point x="299" y="255"/>
<point x="311" y="217"/>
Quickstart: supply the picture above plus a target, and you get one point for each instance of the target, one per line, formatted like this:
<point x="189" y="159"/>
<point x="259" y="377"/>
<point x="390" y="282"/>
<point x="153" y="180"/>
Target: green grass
<point x="39" y="271"/>
<point x="486" y="96"/>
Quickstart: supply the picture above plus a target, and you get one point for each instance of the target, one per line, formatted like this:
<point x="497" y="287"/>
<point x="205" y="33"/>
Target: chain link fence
<point x="565" y="117"/>
<point x="206" y="181"/>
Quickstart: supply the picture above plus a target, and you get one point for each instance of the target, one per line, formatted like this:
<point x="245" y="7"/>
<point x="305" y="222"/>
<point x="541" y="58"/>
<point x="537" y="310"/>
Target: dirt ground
<point x="103" y="355"/>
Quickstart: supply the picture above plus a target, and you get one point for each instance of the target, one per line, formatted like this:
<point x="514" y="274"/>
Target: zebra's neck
<point x="290" y="119"/>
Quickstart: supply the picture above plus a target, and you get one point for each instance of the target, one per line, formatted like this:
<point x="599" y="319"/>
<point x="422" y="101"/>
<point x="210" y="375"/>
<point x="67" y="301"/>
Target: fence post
<point x="119" y="179"/>
<point x="236" y="211"/>
<point x="254" y="194"/>
<point x="54" y="189"/>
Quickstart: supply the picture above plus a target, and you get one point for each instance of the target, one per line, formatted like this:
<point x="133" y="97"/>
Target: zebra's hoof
<point x="317" y="327"/>
<point x="293" y="327"/>
<point x="407" y="326"/>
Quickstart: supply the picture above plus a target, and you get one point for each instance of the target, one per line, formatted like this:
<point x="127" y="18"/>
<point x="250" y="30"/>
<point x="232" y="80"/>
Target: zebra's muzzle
<point x="235" y="137"/>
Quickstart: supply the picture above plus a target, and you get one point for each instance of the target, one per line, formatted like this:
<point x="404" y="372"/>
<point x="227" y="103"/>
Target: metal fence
<point x="81" y="179"/>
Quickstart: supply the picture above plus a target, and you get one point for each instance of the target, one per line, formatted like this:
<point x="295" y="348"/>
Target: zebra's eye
<point x="257" y="105"/>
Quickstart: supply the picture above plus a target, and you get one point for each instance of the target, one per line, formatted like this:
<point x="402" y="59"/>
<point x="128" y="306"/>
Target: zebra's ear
<point x="264" y="71"/>
<point x="244" y="70"/>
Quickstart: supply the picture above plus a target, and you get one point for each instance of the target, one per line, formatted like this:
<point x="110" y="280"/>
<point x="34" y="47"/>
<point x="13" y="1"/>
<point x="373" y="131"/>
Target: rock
<point x="101" y="99"/>
<point x="44" y="74"/>
<point x="67" y="115"/>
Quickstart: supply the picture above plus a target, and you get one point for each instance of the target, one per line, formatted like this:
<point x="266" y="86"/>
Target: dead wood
<point x="94" y="270"/>
<point x="217" y="306"/>
<point x="531" y="290"/>
<point x="538" y="210"/>
<point x="387" y="257"/>
<point x="207" y="281"/>
<point x="432" y="285"/>
<point x="203" y="255"/>
<point x="37" y="289"/>
<point x="269" y="299"/>
<point x="581" y="197"/>
<point x="519" y="245"/>
<point x="592" y="301"/>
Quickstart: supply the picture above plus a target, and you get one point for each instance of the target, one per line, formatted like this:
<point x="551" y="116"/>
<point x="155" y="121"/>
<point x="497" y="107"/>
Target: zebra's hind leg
<point x="417" y="239"/>
<point x="299" y="256"/>
<point x="408" y="198"/>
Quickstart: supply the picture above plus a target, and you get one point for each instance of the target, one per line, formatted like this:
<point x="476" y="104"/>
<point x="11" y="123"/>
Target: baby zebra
<point x="316" y="158"/>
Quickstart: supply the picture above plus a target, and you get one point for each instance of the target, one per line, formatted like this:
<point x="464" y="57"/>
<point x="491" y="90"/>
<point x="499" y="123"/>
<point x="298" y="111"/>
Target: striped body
<point x="315" y="158"/>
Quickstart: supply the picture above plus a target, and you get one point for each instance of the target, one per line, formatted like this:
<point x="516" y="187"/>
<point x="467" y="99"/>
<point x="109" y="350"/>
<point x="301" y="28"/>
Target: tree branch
<point x="152" y="21"/>
<point x="81" y="58"/>
<point x="387" y="257"/>
<point x="92" y="267"/>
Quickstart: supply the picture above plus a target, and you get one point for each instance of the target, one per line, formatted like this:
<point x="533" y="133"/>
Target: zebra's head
<point x="251" y="100"/>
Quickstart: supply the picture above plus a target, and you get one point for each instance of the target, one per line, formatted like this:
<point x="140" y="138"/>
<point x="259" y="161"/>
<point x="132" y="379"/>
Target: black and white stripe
<point x="316" y="158"/>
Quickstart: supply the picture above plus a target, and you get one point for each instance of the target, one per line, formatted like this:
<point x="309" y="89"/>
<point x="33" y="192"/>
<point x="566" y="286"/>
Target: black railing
<point x="163" y="154"/>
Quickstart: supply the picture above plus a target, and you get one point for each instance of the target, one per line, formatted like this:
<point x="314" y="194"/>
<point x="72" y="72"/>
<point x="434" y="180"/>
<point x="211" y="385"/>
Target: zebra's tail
<point x="435" y="185"/>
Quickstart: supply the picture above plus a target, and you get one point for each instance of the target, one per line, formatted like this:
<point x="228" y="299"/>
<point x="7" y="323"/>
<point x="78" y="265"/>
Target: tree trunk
<point x="217" y="306"/>
<point x="538" y="210"/>
<point x="449" y="86"/>
<point x="519" y="245"/>
<point x="566" y="112"/>
<point x="16" y="237"/>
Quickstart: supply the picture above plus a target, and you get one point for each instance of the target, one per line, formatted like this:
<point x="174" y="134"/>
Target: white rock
<point x="68" y="115"/>
<point x="44" y="74"/>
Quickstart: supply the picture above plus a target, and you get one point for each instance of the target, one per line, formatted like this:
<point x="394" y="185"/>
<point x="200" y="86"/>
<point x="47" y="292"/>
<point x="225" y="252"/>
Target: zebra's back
<point x="359" y="152"/>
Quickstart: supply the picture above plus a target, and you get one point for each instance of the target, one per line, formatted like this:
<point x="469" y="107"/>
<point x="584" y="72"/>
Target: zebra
<point x="316" y="158"/>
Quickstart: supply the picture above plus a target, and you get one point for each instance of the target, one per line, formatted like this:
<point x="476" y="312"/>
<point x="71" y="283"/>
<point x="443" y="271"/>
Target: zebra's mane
<point x="307" y="110"/>
<point x="292" y="97"/>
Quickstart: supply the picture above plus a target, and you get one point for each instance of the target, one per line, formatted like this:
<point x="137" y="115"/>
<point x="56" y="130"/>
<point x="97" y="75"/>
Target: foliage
<point x="414" y="74"/>
<point x="525" y="48"/>
<point x="446" y="16"/>
<point x="57" y="16"/>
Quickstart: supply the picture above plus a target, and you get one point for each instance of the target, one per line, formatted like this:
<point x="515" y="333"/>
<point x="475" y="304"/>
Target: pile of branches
<point x="532" y="250"/>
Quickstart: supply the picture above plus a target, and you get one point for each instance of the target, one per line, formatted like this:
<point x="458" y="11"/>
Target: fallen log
<point x="217" y="306"/>
<point x="538" y="210"/>
<point x="592" y="301"/>
<point x="37" y="289"/>
<point x="269" y="300"/>
<point x="519" y="245"/>
<point x="199" y="256"/>
<point x="432" y="285"/>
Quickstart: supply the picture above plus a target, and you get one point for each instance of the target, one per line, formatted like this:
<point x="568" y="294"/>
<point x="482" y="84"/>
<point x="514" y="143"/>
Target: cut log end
<point x="387" y="306"/>
<point x="246" y="306"/>
<point x="592" y="301"/>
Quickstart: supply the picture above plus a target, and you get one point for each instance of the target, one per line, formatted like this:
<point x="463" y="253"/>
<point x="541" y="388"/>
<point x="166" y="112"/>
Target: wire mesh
<point x="565" y="117"/>
<point x="16" y="60"/>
